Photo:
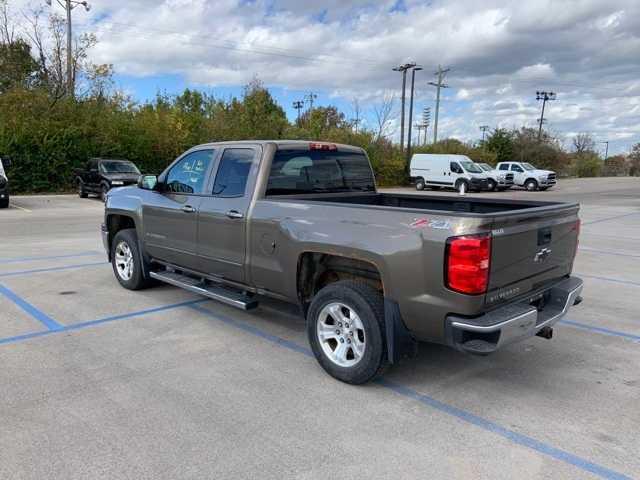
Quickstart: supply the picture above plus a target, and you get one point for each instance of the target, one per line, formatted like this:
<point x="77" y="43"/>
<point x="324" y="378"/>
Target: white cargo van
<point x="446" y="171"/>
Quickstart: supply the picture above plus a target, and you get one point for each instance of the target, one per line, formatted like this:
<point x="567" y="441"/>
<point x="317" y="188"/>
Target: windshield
<point x="324" y="171"/>
<point x="470" y="167"/>
<point x="118" y="167"/>
<point x="528" y="166"/>
<point x="484" y="167"/>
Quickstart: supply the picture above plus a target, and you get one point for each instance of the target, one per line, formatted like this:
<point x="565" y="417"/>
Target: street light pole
<point x="403" y="69"/>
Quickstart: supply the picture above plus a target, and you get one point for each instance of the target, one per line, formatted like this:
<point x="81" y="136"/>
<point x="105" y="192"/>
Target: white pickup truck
<point x="496" y="179"/>
<point x="527" y="176"/>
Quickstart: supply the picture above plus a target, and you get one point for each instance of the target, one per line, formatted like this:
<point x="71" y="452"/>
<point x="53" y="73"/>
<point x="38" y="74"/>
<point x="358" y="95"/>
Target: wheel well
<point x="317" y="270"/>
<point x="115" y="223"/>
<point x="530" y="179"/>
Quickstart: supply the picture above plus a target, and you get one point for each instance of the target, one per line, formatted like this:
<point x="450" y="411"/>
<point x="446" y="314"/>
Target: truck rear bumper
<point x="515" y="321"/>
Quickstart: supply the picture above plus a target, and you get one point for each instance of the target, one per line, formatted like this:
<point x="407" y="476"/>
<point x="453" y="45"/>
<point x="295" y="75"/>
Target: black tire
<point x="491" y="185"/>
<point x="368" y="304"/>
<point x="137" y="281"/>
<point x="420" y="184"/>
<point x="4" y="203"/>
<point x="82" y="193"/>
<point x="104" y="190"/>
<point x="531" y="185"/>
<point x="459" y="184"/>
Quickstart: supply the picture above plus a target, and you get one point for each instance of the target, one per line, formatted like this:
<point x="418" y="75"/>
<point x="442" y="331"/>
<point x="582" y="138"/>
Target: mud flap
<point x="400" y="343"/>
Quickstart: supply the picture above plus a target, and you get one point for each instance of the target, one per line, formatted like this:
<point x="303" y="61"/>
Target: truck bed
<point x="438" y="204"/>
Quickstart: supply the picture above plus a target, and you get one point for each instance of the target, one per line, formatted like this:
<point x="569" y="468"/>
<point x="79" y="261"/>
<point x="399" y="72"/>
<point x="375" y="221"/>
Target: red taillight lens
<point x="467" y="263"/>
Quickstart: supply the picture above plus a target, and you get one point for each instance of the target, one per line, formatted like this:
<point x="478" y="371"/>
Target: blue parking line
<point x="79" y="326"/>
<point x="39" y="315"/>
<point x="511" y="435"/>
<point x="52" y="269"/>
<point x="604" y="331"/>
<point x="610" y="279"/>
<point x="50" y="257"/>
<point x="609" y="218"/>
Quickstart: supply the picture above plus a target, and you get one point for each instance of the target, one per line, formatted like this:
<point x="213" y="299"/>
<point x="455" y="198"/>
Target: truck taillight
<point x="577" y="229"/>
<point x="467" y="263"/>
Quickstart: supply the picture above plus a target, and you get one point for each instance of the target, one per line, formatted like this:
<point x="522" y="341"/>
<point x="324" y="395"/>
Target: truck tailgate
<point x="531" y="249"/>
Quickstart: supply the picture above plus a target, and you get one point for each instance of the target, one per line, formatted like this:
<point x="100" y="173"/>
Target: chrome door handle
<point x="188" y="209"/>
<point x="234" y="214"/>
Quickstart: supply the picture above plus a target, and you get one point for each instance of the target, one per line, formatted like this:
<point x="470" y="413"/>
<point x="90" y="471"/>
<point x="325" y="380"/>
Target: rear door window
<point x="233" y="172"/>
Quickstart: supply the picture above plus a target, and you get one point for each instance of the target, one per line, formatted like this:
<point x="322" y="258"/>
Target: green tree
<point x="17" y="67"/>
<point x="500" y="142"/>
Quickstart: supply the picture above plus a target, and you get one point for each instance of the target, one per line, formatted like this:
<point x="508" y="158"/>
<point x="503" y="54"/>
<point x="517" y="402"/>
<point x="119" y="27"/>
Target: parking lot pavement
<point x="100" y="382"/>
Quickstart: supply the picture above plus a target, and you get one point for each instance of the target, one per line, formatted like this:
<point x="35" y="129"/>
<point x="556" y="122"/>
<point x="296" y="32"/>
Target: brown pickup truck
<point x="372" y="272"/>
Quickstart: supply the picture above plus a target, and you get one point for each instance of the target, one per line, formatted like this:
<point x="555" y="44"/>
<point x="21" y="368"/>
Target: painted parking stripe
<point x="601" y="330"/>
<point x="50" y="257"/>
<point x="91" y="323"/>
<point x="39" y="315"/>
<point x="468" y="417"/>
<point x="610" y="279"/>
<point x="52" y="269"/>
<point x="592" y="222"/>
<point x="609" y="252"/>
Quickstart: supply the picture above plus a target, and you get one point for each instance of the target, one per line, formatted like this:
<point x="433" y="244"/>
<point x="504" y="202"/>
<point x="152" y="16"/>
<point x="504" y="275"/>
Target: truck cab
<point x="4" y="182"/>
<point x="447" y="171"/>
<point x="496" y="179"/>
<point x="527" y="176"/>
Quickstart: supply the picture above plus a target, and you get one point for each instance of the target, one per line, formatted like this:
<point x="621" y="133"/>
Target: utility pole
<point x="69" y="5"/>
<point x="403" y="69"/>
<point x="606" y="151"/>
<point x="419" y="127"/>
<point x="484" y="129"/>
<point x="440" y="73"/>
<point x="298" y="105"/>
<point x="310" y="97"/>
<point x="413" y="81"/>
<point x="545" y="97"/>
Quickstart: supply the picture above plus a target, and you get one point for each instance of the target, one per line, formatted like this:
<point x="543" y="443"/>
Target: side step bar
<point x="221" y="294"/>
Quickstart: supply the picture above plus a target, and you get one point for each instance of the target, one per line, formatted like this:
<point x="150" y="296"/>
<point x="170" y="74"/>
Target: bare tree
<point x="384" y="116"/>
<point x="7" y="30"/>
<point x="583" y="142"/>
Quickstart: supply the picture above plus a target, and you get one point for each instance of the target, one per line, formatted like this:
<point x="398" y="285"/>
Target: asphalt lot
<point x="101" y="382"/>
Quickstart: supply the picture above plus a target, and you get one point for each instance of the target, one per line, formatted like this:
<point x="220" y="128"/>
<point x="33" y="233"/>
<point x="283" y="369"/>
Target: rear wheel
<point x="420" y="184"/>
<point x="531" y="185"/>
<point x="345" y="326"/>
<point x="127" y="261"/>
<point x="491" y="185"/>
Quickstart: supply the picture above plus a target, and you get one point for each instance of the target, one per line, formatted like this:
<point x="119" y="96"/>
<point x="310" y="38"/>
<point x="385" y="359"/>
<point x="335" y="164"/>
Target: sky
<point x="499" y="53"/>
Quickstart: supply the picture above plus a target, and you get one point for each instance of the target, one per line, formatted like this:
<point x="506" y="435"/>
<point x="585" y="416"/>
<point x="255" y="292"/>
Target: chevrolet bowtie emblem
<point x="542" y="255"/>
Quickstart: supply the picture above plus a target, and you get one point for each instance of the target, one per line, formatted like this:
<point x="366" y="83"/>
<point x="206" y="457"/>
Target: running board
<point x="221" y="294"/>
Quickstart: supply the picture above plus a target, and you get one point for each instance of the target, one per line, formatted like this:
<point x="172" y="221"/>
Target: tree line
<point x="49" y="133"/>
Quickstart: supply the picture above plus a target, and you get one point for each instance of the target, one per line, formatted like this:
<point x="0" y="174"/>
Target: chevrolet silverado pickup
<point x="373" y="273"/>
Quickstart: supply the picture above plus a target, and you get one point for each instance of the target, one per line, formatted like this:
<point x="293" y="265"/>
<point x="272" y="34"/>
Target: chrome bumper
<point x="513" y="322"/>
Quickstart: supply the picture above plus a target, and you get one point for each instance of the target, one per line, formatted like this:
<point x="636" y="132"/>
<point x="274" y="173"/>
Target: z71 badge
<point x="425" y="222"/>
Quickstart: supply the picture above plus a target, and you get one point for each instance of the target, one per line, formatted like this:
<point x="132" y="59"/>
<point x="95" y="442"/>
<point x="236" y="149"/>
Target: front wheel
<point x="531" y="185"/>
<point x="420" y="184"/>
<point x="491" y="185"/>
<point x="127" y="262"/>
<point x="462" y="186"/>
<point x="345" y="327"/>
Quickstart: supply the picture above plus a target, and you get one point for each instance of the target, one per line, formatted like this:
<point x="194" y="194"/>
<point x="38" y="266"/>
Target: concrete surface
<point x="100" y="382"/>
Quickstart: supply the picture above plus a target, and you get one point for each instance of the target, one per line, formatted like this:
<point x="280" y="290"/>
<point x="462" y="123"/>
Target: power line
<point x="440" y="73"/>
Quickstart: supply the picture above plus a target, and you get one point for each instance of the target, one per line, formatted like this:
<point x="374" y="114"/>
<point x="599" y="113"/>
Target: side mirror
<point x="147" y="182"/>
